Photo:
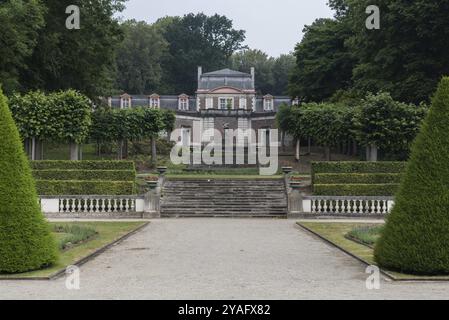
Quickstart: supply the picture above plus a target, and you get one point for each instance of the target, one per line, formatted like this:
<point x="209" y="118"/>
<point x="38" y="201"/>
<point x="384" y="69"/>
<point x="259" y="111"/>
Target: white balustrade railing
<point x="95" y="204"/>
<point x="330" y="205"/>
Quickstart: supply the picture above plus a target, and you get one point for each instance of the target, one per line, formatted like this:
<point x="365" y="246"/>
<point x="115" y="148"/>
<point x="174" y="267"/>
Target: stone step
<point x="224" y="198"/>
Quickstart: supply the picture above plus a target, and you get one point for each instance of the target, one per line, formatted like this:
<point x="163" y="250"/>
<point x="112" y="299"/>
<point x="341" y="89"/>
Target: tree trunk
<point x="354" y="148"/>
<point x="125" y="149"/>
<point x="120" y="150"/>
<point x="327" y="153"/>
<point x="74" y="151"/>
<point x="38" y="149"/>
<point x="371" y="153"/>
<point x="309" y="145"/>
<point x="298" y="149"/>
<point x="33" y="148"/>
<point x="153" y="151"/>
<point x="283" y="141"/>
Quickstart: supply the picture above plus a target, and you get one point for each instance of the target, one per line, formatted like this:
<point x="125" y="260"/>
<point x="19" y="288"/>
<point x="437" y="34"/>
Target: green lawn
<point x="336" y="233"/>
<point x="106" y="233"/>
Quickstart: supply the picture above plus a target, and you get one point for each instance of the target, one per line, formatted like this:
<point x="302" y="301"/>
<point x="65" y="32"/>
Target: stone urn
<point x="287" y="170"/>
<point x="162" y="170"/>
<point x="151" y="182"/>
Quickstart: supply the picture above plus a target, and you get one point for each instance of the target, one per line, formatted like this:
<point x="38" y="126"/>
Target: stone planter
<point x="151" y="184"/>
<point x="162" y="170"/>
<point x="287" y="170"/>
<point x="295" y="185"/>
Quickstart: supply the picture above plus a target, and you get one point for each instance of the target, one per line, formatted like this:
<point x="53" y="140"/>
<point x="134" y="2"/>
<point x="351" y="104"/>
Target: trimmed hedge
<point x="85" y="175"/>
<point x="357" y="178"/>
<point x="54" y="187"/>
<point x="358" y="167"/>
<point x="82" y="165"/>
<point x="416" y="236"/>
<point x="26" y="242"/>
<point x="355" y="189"/>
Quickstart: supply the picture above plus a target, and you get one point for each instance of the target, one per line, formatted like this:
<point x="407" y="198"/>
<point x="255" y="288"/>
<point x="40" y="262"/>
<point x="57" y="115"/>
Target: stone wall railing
<point x="347" y="206"/>
<point x="147" y="205"/>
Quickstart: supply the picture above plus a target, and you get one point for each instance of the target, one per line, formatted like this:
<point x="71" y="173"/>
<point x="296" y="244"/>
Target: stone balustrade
<point x="144" y="206"/>
<point x="346" y="206"/>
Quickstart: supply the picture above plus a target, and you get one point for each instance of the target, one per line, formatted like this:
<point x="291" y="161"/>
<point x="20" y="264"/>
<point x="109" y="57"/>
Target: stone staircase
<point x="224" y="198"/>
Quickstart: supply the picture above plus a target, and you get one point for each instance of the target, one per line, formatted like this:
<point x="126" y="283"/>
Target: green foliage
<point x="357" y="178"/>
<point x="358" y="167"/>
<point x="327" y="124"/>
<point x="85" y="175"/>
<point x="366" y="234"/>
<point x="32" y="114"/>
<point x="196" y="40"/>
<point x="355" y="189"/>
<point x="129" y="124"/>
<point x="25" y="239"/>
<point x="20" y="23"/>
<point x="272" y="73"/>
<point x="387" y="124"/>
<point x="139" y="58"/>
<point x="72" y="187"/>
<point x="406" y="57"/>
<point x="82" y="165"/>
<point x="80" y="59"/>
<point x="323" y="63"/>
<point x="417" y="231"/>
<point x="74" y="234"/>
<point x="61" y="116"/>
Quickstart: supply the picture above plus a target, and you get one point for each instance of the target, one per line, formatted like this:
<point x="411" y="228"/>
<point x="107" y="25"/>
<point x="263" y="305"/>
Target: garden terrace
<point x="356" y="178"/>
<point x="84" y="177"/>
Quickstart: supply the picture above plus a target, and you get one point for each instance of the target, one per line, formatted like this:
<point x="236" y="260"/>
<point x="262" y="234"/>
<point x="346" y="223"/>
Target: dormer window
<point x="125" y="101"/>
<point x="154" y="101"/>
<point x="268" y="103"/>
<point x="183" y="102"/>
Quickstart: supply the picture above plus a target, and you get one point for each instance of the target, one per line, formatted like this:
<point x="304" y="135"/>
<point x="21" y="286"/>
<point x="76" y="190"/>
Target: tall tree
<point x="139" y="58"/>
<point x="81" y="59"/>
<point x="20" y="22"/>
<point x="417" y="231"/>
<point x="244" y="60"/>
<point x="196" y="40"/>
<point x="25" y="240"/>
<point x="323" y="63"/>
<point x="282" y="68"/>
<point x="408" y="55"/>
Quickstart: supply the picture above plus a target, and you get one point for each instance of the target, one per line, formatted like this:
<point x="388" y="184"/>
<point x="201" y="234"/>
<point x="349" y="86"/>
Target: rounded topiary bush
<point x="26" y="242"/>
<point x="416" y="237"/>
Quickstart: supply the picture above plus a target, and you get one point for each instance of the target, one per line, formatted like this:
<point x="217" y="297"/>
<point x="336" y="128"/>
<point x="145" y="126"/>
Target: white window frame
<point x="155" y="103"/>
<point x="183" y="104"/>
<point x="125" y="103"/>
<point x="243" y="104"/>
<point x="209" y="103"/>
<point x="226" y="99"/>
<point x="268" y="104"/>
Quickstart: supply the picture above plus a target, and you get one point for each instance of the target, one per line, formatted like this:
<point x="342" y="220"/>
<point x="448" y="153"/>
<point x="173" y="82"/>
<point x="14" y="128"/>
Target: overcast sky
<point x="274" y="26"/>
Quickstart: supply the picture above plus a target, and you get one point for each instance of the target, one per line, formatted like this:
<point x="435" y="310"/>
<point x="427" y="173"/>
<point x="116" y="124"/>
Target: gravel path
<point x="222" y="259"/>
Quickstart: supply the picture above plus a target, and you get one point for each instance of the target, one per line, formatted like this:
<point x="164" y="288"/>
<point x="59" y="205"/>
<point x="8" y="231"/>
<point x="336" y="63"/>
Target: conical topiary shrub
<point x="416" y="237"/>
<point x="25" y="239"/>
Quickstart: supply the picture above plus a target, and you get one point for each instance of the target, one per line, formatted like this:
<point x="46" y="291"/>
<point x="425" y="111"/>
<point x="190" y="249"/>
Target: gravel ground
<point x="222" y="259"/>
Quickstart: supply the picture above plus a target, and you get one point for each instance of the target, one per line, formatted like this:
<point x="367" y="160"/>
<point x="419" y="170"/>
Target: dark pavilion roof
<point x="226" y="78"/>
